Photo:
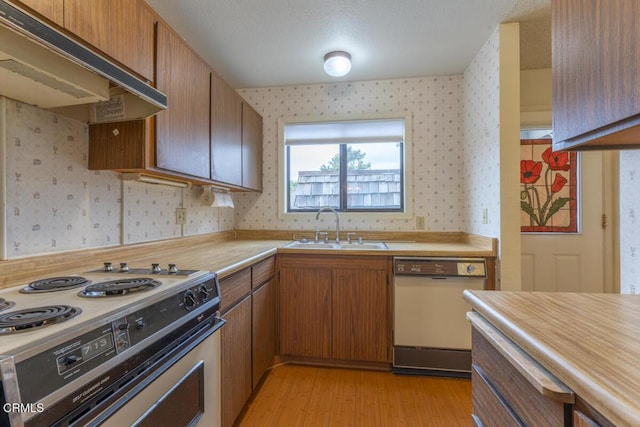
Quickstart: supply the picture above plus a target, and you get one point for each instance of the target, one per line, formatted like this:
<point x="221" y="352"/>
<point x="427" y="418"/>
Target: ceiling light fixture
<point x="337" y="63"/>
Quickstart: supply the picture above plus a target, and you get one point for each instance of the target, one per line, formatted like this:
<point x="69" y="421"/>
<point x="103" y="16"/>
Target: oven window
<point x="183" y="405"/>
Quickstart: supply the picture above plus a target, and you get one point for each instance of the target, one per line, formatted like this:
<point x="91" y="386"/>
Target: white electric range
<point x="75" y="349"/>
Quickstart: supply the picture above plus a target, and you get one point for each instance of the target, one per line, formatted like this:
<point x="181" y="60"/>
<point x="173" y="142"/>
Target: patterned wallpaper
<point x="482" y="139"/>
<point x="630" y="222"/>
<point x="436" y="107"/>
<point x="54" y="203"/>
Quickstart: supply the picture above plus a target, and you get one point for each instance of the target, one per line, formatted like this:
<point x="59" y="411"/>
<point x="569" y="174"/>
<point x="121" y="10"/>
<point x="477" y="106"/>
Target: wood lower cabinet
<point x="334" y="307"/>
<point x="236" y="360"/>
<point x="502" y="396"/>
<point x="510" y="388"/>
<point x="263" y="301"/>
<point x="248" y="338"/>
<point x="304" y="309"/>
<point x="360" y="321"/>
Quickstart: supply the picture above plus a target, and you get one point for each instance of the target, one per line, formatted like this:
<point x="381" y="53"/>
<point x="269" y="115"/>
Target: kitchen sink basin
<point x="366" y="246"/>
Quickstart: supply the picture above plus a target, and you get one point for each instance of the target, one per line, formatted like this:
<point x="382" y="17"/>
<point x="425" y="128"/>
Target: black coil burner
<point x="119" y="287"/>
<point x="34" y="318"/>
<point x="4" y="304"/>
<point x="54" y="284"/>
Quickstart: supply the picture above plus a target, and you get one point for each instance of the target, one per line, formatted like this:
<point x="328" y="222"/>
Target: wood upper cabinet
<point x="334" y="307"/>
<point x="596" y="84"/>
<point x="182" y="130"/>
<point x="236" y="138"/>
<point x="123" y="29"/>
<point x="50" y="9"/>
<point x="226" y="133"/>
<point x="251" y="148"/>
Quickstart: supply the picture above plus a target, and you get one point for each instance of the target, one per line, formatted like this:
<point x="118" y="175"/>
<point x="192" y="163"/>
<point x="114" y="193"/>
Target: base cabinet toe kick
<point x="510" y="388"/>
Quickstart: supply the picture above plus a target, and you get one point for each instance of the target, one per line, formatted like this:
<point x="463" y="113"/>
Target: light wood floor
<point x="311" y="396"/>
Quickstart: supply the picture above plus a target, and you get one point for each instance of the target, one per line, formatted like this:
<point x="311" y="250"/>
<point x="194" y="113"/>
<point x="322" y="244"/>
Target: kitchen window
<point x="349" y="165"/>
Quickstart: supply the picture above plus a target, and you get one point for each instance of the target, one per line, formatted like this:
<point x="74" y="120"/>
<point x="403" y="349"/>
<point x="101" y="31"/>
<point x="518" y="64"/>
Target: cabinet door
<point x="236" y="361"/>
<point x="123" y="29"/>
<point x="361" y="317"/>
<point x="182" y="130"/>
<point x="264" y="330"/>
<point x="304" y="304"/>
<point x="596" y="83"/>
<point x="251" y="148"/>
<point x="226" y="133"/>
<point x="50" y="9"/>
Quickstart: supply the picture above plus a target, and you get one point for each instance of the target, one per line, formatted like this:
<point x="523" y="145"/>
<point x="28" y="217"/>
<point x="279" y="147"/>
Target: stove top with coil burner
<point x="72" y="340"/>
<point x="84" y="293"/>
<point x="29" y="318"/>
<point x="54" y="284"/>
<point x="119" y="287"/>
<point x="5" y="305"/>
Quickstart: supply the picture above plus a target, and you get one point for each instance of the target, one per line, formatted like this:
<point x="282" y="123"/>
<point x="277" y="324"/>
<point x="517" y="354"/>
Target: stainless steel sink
<point x="366" y="246"/>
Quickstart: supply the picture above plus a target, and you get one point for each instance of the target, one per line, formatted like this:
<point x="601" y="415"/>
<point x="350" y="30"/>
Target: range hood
<point x="41" y="66"/>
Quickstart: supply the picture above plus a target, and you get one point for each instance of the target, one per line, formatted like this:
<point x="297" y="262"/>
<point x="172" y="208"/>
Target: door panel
<point x="572" y="262"/>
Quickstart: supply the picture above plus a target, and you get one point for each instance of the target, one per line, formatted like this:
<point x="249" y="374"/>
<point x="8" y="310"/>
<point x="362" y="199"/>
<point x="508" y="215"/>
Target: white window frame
<point x="408" y="168"/>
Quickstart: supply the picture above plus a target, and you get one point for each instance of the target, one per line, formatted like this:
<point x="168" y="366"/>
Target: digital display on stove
<point x="84" y="353"/>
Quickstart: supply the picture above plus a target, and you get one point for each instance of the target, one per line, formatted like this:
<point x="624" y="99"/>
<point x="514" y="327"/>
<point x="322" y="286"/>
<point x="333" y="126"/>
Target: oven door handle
<point x="139" y="378"/>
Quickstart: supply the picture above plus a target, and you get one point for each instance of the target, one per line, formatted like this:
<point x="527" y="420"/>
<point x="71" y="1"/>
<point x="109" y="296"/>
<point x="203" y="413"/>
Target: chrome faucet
<point x="328" y="209"/>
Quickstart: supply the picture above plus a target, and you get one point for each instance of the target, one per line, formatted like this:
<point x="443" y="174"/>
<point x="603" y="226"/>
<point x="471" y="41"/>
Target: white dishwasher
<point x="431" y="334"/>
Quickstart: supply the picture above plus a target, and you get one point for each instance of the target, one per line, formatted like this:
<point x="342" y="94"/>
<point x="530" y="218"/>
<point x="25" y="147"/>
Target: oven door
<point x="186" y="394"/>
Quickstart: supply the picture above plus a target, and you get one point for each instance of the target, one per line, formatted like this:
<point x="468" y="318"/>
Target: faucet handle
<point x="349" y="237"/>
<point x="325" y="234"/>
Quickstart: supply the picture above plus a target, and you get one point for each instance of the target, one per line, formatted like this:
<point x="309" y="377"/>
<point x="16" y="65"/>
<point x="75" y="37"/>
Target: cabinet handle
<point x="541" y="379"/>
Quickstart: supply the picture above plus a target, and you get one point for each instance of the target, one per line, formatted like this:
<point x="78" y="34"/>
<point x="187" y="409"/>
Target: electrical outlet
<point x="419" y="223"/>
<point x="485" y="216"/>
<point x="181" y="216"/>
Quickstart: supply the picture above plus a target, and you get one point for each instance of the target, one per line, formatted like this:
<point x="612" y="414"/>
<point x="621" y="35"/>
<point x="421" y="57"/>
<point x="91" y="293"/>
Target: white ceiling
<point x="259" y="43"/>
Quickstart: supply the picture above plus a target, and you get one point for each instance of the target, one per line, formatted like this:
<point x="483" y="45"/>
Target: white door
<point x="575" y="262"/>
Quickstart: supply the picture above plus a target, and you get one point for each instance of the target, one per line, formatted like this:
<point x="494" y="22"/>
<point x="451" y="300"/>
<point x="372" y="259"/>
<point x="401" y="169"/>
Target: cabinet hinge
<point x="604" y="221"/>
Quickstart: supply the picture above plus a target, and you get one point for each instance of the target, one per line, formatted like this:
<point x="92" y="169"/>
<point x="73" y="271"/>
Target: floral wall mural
<point x="548" y="188"/>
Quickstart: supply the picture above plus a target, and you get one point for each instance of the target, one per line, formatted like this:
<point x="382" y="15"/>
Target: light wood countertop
<point x="590" y="342"/>
<point x="224" y="253"/>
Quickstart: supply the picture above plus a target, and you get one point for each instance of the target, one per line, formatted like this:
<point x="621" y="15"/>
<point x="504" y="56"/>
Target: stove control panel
<point x="67" y="361"/>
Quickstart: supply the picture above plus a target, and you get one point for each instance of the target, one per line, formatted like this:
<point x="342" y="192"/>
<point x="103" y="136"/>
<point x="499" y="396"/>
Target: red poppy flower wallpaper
<point x="548" y="188"/>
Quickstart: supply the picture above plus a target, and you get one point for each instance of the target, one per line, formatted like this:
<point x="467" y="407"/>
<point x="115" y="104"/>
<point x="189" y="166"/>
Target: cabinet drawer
<point x="529" y="405"/>
<point x="489" y="409"/>
<point x="234" y="288"/>
<point x="262" y="272"/>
